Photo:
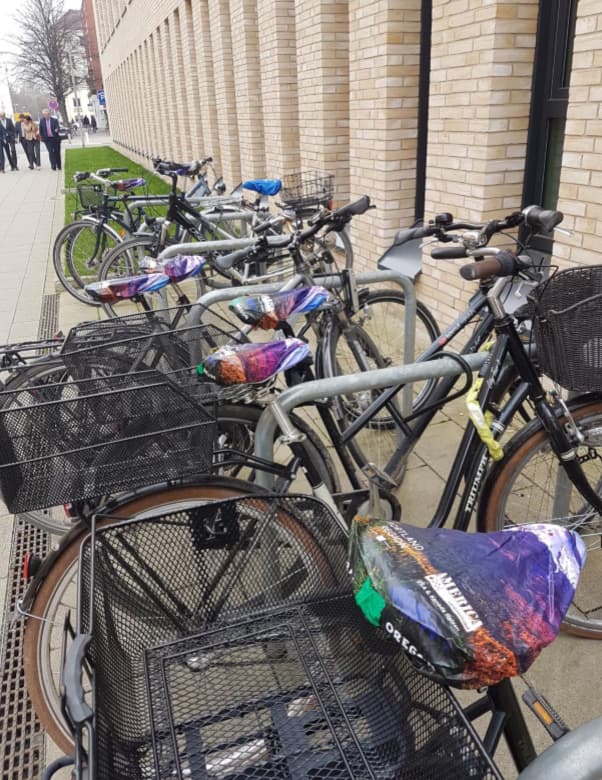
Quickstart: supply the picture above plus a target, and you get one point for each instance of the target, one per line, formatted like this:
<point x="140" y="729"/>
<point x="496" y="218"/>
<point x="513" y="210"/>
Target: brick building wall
<point x="274" y="86"/>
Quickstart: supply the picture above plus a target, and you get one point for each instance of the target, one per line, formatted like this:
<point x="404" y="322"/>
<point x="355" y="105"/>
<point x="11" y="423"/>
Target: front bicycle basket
<point x="307" y="190"/>
<point x="165" y="340"/>
<point x="94" y="437"/>
<point x="226" y="644"/>
<point x="567" y="327"/>
<point x="90" y="195"/>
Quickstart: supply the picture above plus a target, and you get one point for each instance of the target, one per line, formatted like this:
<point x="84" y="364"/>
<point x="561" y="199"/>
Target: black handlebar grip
<point x="352" y="209"/>
<point x="225" y="262"/>
<point x="503" y="264"/>
<point x="542" y="219"/>
<point x="448" y="252"/>
<point x="262" y="227"/>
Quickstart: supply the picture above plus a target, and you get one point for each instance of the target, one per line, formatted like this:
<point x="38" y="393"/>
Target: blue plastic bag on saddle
<point x="468" y="609"/>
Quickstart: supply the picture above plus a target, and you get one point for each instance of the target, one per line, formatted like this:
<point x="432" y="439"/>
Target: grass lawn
<point x="94" y="157"/>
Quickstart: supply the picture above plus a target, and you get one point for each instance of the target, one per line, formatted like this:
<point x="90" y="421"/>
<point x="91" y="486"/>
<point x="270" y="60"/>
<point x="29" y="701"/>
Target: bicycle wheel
<point x="529" y="486"/>
<point x="57" y="594"/>
<point x="375" y="339"/>
<point x="124" y="260"/>
<point x="78" y="252"/>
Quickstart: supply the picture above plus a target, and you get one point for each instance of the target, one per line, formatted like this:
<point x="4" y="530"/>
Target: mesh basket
<point x="161" y="340"/>
<point x="307" y="190"/>
<point x="90" y="195"/>
<point x="226" y="644"/>
<point x="88" y="438"/>
<point x="567" y="327"/>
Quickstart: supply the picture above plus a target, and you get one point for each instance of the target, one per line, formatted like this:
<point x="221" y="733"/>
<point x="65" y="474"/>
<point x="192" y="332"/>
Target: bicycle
<point x="108" y="218"/>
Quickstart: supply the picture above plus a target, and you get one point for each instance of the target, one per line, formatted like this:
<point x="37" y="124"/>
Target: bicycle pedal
<point x="545" y="714"/>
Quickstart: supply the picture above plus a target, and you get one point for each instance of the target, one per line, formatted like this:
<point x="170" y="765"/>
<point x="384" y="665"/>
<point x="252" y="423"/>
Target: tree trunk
<point x="63" y="109"/>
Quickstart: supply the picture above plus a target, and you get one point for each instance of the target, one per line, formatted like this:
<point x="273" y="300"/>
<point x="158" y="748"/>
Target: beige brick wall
<point x="323" y="88"/>
<point x="276" y="21"/>
<point x="225" y="100"/>
<point x="580" y="196"/>
<point x="383" y="99"/>
<point x="247" y="86"/>
<point x="481" y="69"/>
<point x="272" y="86"/>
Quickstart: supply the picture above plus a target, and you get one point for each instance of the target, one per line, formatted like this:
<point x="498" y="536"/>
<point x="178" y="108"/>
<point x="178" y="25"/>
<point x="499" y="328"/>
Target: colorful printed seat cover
<point x="471" y="609"/>
<point x="127" y="287"/>
<point x="125" y="185"/>
<point x="253" y="363"/>
<point x="266" y="312"/>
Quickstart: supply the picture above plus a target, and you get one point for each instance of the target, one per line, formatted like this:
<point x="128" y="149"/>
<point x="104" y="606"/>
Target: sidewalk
<point x="31" y="213"/>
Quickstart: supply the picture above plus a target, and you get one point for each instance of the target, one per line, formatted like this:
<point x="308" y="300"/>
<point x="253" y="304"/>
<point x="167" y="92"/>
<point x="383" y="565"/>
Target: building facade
<point x="470" y="106"/>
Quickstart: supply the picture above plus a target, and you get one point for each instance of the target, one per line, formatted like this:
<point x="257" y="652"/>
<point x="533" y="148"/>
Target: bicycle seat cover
<point x="125" y="185"/>
<point x="182" y="267"/>
<point x="470" y="609"/>
<point x="253" y="363"/>
<point x="268" y="311"/>
<point x="127" y="287"/>
<point x="263" y="186"/>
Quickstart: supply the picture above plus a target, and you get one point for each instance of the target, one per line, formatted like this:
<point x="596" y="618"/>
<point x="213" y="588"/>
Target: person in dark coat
<point x="7" y="133"/>
<point x="93" y="124"/>
<point x="50" y="134"/>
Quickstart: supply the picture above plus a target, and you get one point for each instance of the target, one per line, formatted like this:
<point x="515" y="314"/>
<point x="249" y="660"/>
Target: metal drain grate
<point x="49" y="317"/>
<point x="21" y="736"/>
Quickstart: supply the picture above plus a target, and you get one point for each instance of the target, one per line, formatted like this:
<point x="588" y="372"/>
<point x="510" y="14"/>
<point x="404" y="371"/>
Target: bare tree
<point x="47" y="36"/>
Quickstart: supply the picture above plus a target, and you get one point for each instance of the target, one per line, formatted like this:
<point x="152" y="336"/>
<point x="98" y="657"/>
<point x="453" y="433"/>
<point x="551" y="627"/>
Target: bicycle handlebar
<point x="505" y="263"/>
<point x="336" y="220"/>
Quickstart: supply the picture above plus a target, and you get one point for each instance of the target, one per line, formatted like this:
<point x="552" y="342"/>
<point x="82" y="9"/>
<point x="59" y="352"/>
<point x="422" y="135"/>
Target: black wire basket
<point x="87" y="438"/>
<point x="90" y="196"/>
<point x="567" y="327"/>
<point x="160" y="340"/>
<point x="226" y="644"/>
<point x="307" y="190"/>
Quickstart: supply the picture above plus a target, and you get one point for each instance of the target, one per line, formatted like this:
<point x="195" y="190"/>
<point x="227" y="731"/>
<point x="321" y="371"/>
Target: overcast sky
<point x="9" y="11"/>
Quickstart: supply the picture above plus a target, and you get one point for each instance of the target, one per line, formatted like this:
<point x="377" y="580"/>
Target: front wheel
<point x="530" y="486"/>
<point x="78" y="252"/>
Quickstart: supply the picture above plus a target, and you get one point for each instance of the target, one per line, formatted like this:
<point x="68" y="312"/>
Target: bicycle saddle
<point x="269" y="311"/>
<point x="177" y="268"/>
<point x="127" y="287"/>
<point x="471" y="608"/>
<point x="125" y="185"/>
<point x="253" y="363"/>
<point x="263" y="186"/>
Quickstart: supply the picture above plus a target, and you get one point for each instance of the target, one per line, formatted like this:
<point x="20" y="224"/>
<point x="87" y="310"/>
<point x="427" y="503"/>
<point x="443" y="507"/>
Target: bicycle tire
<point x="377" y="441"/>
<point x="517" y="491"/>
<point x="75" y="250"/>
<point x="41" y="681"/>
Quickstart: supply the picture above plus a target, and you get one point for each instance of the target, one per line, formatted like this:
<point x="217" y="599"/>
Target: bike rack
<point x="352" y="383"/>
<point x="330" y="282"/>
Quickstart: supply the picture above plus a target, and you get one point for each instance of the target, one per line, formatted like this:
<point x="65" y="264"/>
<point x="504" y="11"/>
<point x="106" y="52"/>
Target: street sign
<point x="53" y="104"/>
<point x="101" y="97"/>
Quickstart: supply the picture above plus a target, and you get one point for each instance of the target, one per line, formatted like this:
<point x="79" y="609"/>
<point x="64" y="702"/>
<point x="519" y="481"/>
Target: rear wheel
<point x="530" y="486"/>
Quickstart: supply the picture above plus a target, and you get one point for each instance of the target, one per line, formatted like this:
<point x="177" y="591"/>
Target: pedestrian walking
<point x="19" y="132"/>
<point x="86" y="121"/>
<point x="93" y="124"/>
<point x="31" y="143"/>
<point x="7" y="131"/>
<point x="1" y="149"/>
<point x="50" y="134"/>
